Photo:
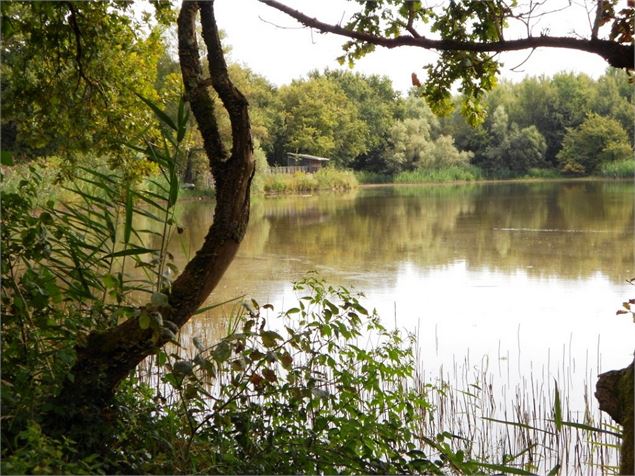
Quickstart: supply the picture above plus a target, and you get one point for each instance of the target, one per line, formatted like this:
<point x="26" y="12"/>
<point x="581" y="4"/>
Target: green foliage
<point x="77" y="267"/>
<point x="365" y="177"/>
<point x="618" y="169"/>
<point x="539" y="173"/>
<point x="38" y="453"/>
<point x="597" y="141"/>
<point x="70" y="70"/>
<point x="262" y="170"/>
<point x="416" y="144"/>
<point x="515" y="151"/>
<point x="378" y="105"/>
<point x="298" y="394"/>
<point x="320" y="119"/>
<point x="551" y="105"/>
<point x="459" y="21"/>
<point x="452" y="173"/>
<point x="327" y="178"/>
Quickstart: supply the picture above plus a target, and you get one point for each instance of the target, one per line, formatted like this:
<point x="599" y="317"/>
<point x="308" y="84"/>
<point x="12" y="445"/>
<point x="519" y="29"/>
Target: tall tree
<point x="319" y="119"/>
<point x="596" y="141"/>
<point x="109" y="356"/>
<point x="379" y="106"/>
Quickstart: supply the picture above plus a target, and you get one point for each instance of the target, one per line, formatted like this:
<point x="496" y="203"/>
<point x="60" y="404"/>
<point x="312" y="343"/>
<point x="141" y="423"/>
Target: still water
<point x="524" y="274"/>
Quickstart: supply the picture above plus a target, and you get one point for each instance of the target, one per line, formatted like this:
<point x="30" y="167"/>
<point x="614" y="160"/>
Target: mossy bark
<point x="614" y="392"/>
<point x="107" y="357"/>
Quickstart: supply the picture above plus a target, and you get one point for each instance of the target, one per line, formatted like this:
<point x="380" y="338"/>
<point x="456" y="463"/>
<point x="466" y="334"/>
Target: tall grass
<point x="618" y="169"/>
<point x="530" y="425"/>
<point x="366" y="177"/>
<point x="327" y="178"/>
<point x="539" y="173"/>
<point x="451" y="173"/>
<point x="544" y="423"/>
<point x="47" y="169"/>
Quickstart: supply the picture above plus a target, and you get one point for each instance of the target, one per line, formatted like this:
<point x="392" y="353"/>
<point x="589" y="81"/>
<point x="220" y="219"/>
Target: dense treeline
<point x="539" y="123"/>
<point x="567" y="124"/>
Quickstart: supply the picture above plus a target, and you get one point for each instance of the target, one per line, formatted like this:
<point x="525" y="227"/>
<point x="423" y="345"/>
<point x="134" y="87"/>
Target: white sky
<point x="275" y="46"/>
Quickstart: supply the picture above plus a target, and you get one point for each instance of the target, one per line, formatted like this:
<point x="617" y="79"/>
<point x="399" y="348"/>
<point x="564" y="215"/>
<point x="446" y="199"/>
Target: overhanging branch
<point x="616" y="54"/>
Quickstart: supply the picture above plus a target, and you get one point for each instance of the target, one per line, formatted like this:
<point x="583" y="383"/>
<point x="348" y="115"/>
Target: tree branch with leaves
<point x="469" y="35"/>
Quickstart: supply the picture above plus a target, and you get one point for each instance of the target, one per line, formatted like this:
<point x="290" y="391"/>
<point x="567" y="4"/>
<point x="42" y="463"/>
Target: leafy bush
<point x="597" y="141"/>
<point x="535" y="172"/>
<point x="330" y="178"/>
<point x="299" y="393"/>
<point x="67" y="270"/>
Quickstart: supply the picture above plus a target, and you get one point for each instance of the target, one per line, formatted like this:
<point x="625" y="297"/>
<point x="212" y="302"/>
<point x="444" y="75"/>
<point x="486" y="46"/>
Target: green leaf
<point x="201" y="310"/>
<point x="144" y="320"/>
<point x="582" y="426"/>
<point x="515" y="423"/>
<point x="269" y="338"/>
<point x="167" y="120"/>
<point x="557" y="409"/>
<point x="156" y="320"/>
<point x="183" y="367"/>
<point x="6" y="157"/>
<point x="127" y="230"/>
<point x="159" y="299"/>
<point x="110" y="281"/>
<point x="128" y="252"/>
<point x="222" y="352"/>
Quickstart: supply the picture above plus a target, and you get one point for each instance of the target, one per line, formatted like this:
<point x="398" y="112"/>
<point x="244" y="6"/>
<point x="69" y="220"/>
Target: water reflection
<point x="525" y="274"/>
<point x="517" y="282"/>
<point x="561" y="230"/>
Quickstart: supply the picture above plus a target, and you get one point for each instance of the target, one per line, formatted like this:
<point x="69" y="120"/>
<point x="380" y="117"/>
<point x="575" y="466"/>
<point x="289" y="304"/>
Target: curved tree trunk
<point x="614" y="391"/>
<point x="108" y="357"/>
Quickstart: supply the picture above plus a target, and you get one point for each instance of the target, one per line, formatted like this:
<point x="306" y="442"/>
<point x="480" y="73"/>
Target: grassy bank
<point x="614" y="170"/>
<point x="452" y="173"/>
<point x="447" y="174"/>
<point x="619" y="169"/>
<point x="324" y="179"/>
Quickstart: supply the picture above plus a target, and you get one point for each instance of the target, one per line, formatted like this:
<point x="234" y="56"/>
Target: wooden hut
<point x="302" y="163"/>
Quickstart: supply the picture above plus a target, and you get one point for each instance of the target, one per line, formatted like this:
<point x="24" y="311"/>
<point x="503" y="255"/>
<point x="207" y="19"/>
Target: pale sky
<point x="275" y="46"/>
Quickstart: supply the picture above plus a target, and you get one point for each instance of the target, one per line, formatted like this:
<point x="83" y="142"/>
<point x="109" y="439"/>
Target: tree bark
<point x="107" y="357"/>
<point x="614" y="391"/>
<point x="616" y="54"/>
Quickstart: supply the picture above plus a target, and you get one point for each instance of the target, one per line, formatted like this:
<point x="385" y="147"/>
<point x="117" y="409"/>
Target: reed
<point x="453" y="173"/>
<point x="618" y="169"/>
<point x="530" y="425"/>
<point x="328" y="178"/>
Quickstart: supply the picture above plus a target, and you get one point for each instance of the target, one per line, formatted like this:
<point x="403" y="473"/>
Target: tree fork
<point x="107" y="357"/>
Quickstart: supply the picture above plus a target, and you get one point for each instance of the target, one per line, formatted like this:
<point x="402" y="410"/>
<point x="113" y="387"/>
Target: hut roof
<point x="307" y="157"/>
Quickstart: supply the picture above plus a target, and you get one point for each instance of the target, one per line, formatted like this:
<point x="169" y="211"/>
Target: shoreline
<point x="494" y="181"/>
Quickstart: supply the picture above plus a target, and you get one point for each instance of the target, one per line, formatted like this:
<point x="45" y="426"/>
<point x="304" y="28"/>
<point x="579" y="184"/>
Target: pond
<point x="511" y="278"/>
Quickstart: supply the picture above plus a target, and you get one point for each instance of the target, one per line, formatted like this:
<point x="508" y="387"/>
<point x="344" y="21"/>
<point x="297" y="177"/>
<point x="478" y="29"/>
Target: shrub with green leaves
<point x="72" y="268"/>
<point x="319" y="388"/>
<point x="598" y="141"/>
